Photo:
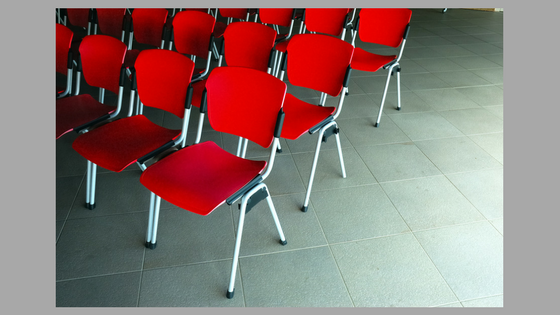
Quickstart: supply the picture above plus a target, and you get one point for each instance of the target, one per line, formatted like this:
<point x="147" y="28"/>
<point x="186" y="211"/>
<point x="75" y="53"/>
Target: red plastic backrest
<point x="234" y="13"/>
<point x="78" y="17"/>
<point x="282" y="17"/>
<point x="102" y="57"/>
<point x="148" y="25"/>
<point x="248" y="44"/>
<point x="162" y="78"/>
<point x="326" y="21"/>
<point x="318" y="62"/>
<point x="244" y="102"/>
<point x="63" y="41"/>
<point x="192" y="31"/>
<point x="383" y="26"/>
<point x="110" y="21"/>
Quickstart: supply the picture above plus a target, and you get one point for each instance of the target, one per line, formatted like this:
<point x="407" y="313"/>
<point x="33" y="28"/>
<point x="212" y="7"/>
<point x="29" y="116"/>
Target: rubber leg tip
<point x="90" y="206"/>
<point x="376" y="125"/>
<point x="278" y="150"/>
<point x="304" y="209"/>
<point x="150" y="245"/>
<point x="283" y="242"/>
<point x="229" y="295"/>
<point x="398" y="108"/>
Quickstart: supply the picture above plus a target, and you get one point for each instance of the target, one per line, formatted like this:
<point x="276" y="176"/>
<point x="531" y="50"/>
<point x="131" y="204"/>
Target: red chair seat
<point x="219" y="29"/>
<point x="366" y="61"/>
<point x="75" y="111"/>
<point x="281" y="46"/>
<point x="116" y="145"/>
<point x="302" y="116"/>
<point x="200" y="177"/>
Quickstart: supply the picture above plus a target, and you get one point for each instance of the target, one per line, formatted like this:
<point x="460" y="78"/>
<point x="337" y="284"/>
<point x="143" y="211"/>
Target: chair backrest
<point x="162" y="79"/>
<point x="278" y="16"/>
<point x="244" y="102"/>
<point x="235" y="13"/>
<point x="63" y="41"/>
<point x="248" y="44"/>
<point x="111" y="22"/>
<point x="326" y="21"/>
<point x="148" y="25"/>
<point x="78" y="17"/>
<point x="311" y="65"/>
<point x="192" y="32"/>
<point x="383" y="26"/>
<point x="101" y="58"/>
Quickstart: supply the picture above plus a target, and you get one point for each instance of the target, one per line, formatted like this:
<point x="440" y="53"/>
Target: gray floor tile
<point x="410" y="103"/>
<point x="284" y="178"/>
<point x="493" y="143"/>
<point x="425" y="125"/>
<point x="68" y="161"/>
<point x="475" y="62"/>
<point x="100" y="246"/>
<point x="453" y="51"/>
<point x="462" y="38"/>
<point x="308" y="143"/>
<point x="470" y="258"/>
<point x="425" y="52"/>
<point x="484" y="189"/>
<point x="390" y="162"/>
<point x="494" y="76"/>
<point x="430" y="202"/>
<point x="461" y="78"/>
<point x="439" y="64"/>
<point x="328" y="173"/>
<point x="260" y="236"/>
<point x="66" y="190"/>
<point x="376" y="84"/>
<point x="496" y="58"/>
<point x="474" y="120"/>
<point x="483" y="48"/>
<point x="493" y="301"/>
<point x="115" y="193"/>
<point x="360" y="131"/>
<point x="446" y="99"/>
<point x="119" y="290"/>
<point x="356" y="213"/>
<point x="356" y="106"/>
<point x="402" y="273"/>
<point x="423" y="81"/>
<point x="484" y="95"/>
<point x="460" y="154"/>
<point x="497" y="110"/>
<point x="301" y="278"/>
<point x="498" y="224"/>
<point x="184" y="237"/>
<point x="199" y="285"/>
<point x="431" y="41"/>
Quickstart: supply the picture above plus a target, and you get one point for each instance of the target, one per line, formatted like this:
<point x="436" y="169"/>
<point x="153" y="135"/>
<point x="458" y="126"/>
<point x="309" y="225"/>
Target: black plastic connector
<point x="255" y="199"/>
<point x="122" y="76"/>
<point x="284" y="64"/>
<point x="320" y="125"/>
<point x="279" y="123"/>
<point x="271" y="58"/>
<point x="357" y="24"/>
<point x="238" y="194"/>
<point x="150" y="245"/>
<point x="79" y="62"/>
<point x="133" y="85"/>
<point x="188" y="99"/>
<point x="203" y="103"/>
<point x="332" y="130"/>
<point x="70" y="62"/>
<point x="347" y="76"/>
<point x="155" y="152"/>
<point x="211" y="44"/>
<point x="405" y="35"/>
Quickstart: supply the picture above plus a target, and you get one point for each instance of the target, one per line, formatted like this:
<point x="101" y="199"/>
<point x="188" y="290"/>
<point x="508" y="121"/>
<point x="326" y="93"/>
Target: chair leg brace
<point x="394" y="67"/>
<point x="325" y="132"/>
<point x="262" y="189"/>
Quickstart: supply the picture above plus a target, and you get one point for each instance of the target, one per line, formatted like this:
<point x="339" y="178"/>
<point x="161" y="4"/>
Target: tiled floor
<point x="417" y="222"/>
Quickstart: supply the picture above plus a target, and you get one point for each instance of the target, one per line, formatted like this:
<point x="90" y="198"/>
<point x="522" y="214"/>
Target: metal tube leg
<point x="343" y="169"/>
<point x="276" y="221"/>
<point x="399" y="89"/>
<point x="313" y="167"/>
<point x="384" y="96"/>
<point x="90" y="185"/>
<point x="150" y="220"/>
<point x="245" y="143"/>
<point x="156" y="220"/>
<point x="229" y="293"/>
<point x="239" y="146"/>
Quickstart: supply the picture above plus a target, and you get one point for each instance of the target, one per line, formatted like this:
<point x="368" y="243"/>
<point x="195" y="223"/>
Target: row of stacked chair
<point x="246" y="98"/>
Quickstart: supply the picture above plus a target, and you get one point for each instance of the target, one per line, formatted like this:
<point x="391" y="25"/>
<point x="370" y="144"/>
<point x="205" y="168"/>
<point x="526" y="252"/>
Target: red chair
<point x="201" y="177"/>
<point x="308" y="64"/>
<point x="64" y="64"/>
<point x="112" y="22"/>
<point x="326" y="21"/>
<point x="101" y="61"/>
<point x="162" y="78"/>
<point x="279" y="17"/>
<point x="388" y="27"/>
<point x="249" y="45"/>
<point x="79" y="17"/>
